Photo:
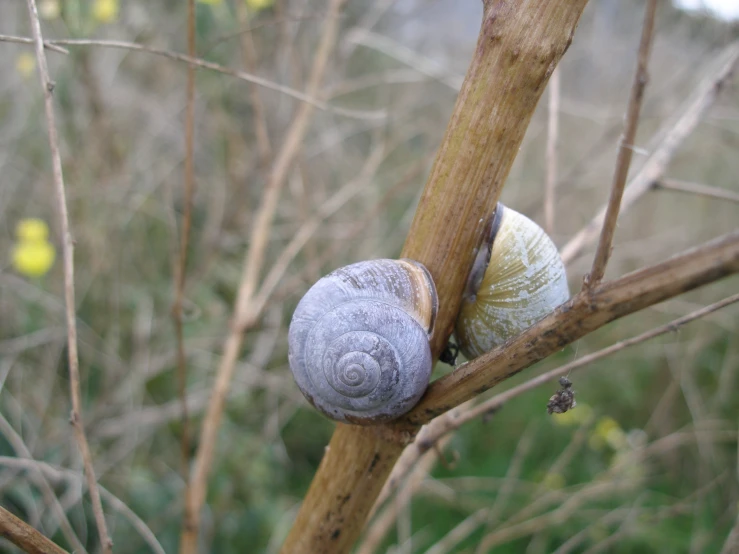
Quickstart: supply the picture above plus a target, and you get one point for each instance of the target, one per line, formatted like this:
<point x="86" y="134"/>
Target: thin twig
<point x="242" y="75"/>
<point x="674" y="133"/>
<point x="23" y="453"/>
<point x="623" y="161"/>
<point x="248" y="284"/>
<point x="24" y="536"/>
<point x="57" y="474"/>
<point x="552" y="137"/>
<point x="440" y="427"/>
<point x="249" y="55"/>
<point x="384" y="521"/>
<point x="443" y="425"/>
<point x="697" y="188"/>
<point x="26" y="40"/>
<point x="582" y="314"/>
<point x="68" y="259"/>
<point x="499" y="400"/>
<point x="731" y="545"/>
<point x="180" y="265"/>
<point x="422" y="64"/>
<point x="306" y="231"/>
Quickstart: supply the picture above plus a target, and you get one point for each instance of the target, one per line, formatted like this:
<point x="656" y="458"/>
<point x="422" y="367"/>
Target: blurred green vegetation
<point x="648" y="465"/>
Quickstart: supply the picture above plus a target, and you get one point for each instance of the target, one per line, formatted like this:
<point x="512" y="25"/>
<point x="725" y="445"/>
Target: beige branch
<point x="551" y="156"/>
<point x="56" y="475"/>
<point x="23" y="453"/>
<point x="249" y="55"/>
<point x="674" y="134"/>
<point x="453" y="420"/>
<point x="25" y="40"/>
<point x="180" y="263"/>
<point x="625" y="149"/>
<point x="523" y="41"/>
<point x="582" y="314"/>
<point x="24" y="536"/>
<point x="241" y="75"/>
<point x="697" y="189"/>
<point x="68" y="261"/>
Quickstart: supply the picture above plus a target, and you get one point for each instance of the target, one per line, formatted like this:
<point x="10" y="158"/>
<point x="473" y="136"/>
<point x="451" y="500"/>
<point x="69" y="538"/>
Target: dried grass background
<point x="521" y="482"/>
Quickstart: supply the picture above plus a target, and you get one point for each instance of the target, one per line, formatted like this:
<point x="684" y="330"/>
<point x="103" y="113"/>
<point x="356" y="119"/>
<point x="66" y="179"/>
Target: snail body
<point x="358" y="343"/>
<point x="517" y="278"/>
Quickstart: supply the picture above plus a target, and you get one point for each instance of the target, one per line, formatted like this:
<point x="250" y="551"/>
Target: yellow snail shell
<point x="523" y="280"/>
<point x="359" y="340"/>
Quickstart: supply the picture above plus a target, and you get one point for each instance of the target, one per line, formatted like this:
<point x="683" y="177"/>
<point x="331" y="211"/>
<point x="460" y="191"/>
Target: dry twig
<point x="523" y="41"/>
<point x="625" y="149"/>
<point x="57" y="475"/>
<point x="24" y="536"/>
<point x="241" y="75"/>
<point x="249" y="55"/>
<point x="441" y="426"/>
<point x="25" y="40"/>
<point x="24" y="454"/>
<point x="697" y="189"/>
<point x="674" y="134"/>
<point x="180" y="263"/>
<point x="68" y="260"/>
<point x="438" y="430"/>
<point x="582" y="314"/>
<point x="552" y="137"/>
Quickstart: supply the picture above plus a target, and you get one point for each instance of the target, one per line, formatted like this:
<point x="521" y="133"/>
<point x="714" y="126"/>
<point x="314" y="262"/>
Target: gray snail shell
<point x="358" y="343"/>
<point x="517" y="278"/>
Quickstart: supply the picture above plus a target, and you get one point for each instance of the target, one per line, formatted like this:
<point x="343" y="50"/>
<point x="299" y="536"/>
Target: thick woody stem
<point x="520" y="43"/>
<point x="24" y="536"/>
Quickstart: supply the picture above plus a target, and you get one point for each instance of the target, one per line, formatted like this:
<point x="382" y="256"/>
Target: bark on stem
<point x="24" y="536"/>
<point x="582" y="314"/>
<point x="519" y="46"/>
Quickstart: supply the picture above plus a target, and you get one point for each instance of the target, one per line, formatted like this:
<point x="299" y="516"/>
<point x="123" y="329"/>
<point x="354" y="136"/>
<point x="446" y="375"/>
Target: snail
<point x="358" y="343"/>
<point x="517" y="278"/>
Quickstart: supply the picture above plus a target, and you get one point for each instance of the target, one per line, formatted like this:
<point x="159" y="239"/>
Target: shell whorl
<point x="358" y="340"/>
<point x="523" y="280"/>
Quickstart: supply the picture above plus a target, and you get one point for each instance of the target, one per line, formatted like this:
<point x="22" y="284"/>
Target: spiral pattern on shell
<point x="358" y="340"/>
<point x="516" y="281"/>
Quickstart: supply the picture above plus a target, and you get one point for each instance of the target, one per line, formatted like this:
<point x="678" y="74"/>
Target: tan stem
<point x="584" y="313"/>
<point x="551" y="155"/>
<point x="674" y="133"/>
<point x="520" y="43"/>
<point x="625" y="149"/>
<point x="24" y="536"/>
<point x="69" y="298"/>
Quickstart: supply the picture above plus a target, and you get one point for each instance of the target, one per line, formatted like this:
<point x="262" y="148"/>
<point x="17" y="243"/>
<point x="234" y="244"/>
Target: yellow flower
<point x="33" y="255"/>
<point x="257" y="5"/>
<point x="49" y="9"/>
<point x="607" y="431"/>
<point x="32" y="229"/>
<point x="25" y="63"/>
<point x="105" y="11"/>
<point x="553" y="481"/>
